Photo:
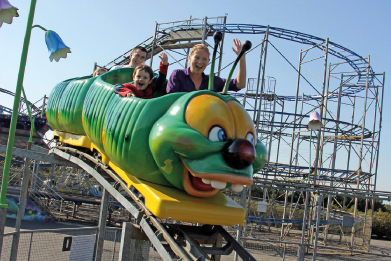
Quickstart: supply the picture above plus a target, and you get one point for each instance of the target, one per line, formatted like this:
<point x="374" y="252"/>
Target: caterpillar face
<point x="206" y="142"/>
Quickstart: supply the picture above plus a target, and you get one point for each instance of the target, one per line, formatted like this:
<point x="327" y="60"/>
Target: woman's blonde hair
<point x="199" y="47"/>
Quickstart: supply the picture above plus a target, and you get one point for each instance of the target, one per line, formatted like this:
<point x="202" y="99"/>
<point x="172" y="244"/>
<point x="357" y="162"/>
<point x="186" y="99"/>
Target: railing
<point x="266" y="249"/>
<point x="45" y="196"/>
<point x="15" y="176"/>
<point x="35" y="108"/>
<point x="190" y="24"/>
<point x="48" y="244"/>
<point x="162" y="36"/>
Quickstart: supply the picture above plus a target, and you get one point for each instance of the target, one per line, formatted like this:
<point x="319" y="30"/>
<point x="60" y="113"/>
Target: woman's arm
<point x="241" y="77"/>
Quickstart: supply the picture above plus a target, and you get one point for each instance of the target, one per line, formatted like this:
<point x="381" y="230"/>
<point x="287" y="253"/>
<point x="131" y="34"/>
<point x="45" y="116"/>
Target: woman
<point x="194" y="78"/>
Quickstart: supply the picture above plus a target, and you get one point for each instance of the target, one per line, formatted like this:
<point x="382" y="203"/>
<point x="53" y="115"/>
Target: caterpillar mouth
<point x="207" y="185"/>
<point x="195" y="187"/>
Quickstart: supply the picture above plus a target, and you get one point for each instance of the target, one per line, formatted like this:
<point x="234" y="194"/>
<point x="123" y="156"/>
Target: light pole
<point x="314" y="123"/>
<point x="57" y="50"/>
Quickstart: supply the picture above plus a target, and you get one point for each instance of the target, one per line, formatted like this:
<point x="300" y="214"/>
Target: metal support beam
<point x="153" y="44"/>
<point x="102" y="224"/>
<point x="301" y="248"/>
<point x="131" y="237"/>
<point x="239" y="230"/>
<point x="261" y="79"/>
<point x="294" y="117"/>
<point x="36" y="155"/>
<point x="3" y="217"/>
<point x="320" y="198"/>
<point x="323" y="112"/>
<point x="21" y="206"/>
<point x="145" y="225"/>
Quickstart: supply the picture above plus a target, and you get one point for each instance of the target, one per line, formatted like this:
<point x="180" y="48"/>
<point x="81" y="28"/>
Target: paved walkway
<point x="381" y="247"/>
<point x="377" y="246"/>
<point x="30" y="225"/>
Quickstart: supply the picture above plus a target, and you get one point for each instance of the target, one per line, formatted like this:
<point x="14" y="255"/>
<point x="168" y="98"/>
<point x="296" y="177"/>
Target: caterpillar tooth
<point x="218" y="184"/>
<point x="206" y="181"/>
<point x="237" y="187"/>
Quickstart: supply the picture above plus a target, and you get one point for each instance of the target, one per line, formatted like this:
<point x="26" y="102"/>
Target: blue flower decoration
<point x="56" y="46"/>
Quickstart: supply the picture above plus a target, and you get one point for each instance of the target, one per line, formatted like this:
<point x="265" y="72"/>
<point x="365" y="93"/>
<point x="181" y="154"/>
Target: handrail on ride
<point x="50" y="188"/>
<point x="357" y="62"/>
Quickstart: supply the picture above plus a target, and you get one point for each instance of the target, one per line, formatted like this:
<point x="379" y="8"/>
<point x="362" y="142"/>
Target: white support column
<point x="132" y="249"/>
<point x="102" y="224"/>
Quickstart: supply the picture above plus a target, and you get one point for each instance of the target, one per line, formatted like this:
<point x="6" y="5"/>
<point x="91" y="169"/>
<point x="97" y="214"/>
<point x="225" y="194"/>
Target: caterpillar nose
<point x="239" y="153"/>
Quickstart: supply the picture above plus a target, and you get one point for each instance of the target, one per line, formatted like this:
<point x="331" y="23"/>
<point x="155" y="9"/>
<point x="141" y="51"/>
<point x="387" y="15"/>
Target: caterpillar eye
<point x="250" y="137"/>
<point x="217" y="134"/>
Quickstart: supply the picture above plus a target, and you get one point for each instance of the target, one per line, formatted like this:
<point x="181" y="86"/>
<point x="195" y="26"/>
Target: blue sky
<point x="99" y="31"/>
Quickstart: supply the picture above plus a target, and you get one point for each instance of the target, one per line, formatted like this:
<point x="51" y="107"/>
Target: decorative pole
<point x="57" y="50"/>
<point x="14" y="117"/>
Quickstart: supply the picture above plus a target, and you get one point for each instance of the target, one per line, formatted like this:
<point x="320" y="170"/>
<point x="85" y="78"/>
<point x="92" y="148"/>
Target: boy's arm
<point x="124" y="89"/>
<point x="138" y="93"/>
<point x="121" y="89"/>
<point x="162" y="77"/>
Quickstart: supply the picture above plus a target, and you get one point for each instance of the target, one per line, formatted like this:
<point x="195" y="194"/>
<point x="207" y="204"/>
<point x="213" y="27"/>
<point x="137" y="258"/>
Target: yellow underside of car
<point x="168" y="202"/>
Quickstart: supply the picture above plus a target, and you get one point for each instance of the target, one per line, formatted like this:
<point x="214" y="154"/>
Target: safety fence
<point x="70" y="244"/>
<point x="270" y="250"/>
<point x="55" y="244"/>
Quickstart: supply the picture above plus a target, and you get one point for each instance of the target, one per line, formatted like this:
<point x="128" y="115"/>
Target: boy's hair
<point x="199" y="47"/>
<point x="98" y="70"/>
<point x="144" y="67"/>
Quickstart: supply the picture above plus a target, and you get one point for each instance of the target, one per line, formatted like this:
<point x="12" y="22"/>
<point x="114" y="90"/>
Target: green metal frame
<point x="14" y="117"/>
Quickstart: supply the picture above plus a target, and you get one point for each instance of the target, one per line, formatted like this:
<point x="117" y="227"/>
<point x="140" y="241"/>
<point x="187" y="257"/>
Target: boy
<point x="143" y="79"/>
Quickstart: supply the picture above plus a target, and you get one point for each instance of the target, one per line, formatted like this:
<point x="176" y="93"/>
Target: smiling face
<point x="141" y="79"/>
<point x="199" y="59"/>
<point x="203" y="152"/>
<point x="137" y="57"/>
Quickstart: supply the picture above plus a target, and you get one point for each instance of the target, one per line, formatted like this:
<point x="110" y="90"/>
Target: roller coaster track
<point x="171" y="241"/>
<point x="32" y="106"/>
<point x="357" y="62"/>
<point x="361" y="67"/>
<point x="290" y="185"/>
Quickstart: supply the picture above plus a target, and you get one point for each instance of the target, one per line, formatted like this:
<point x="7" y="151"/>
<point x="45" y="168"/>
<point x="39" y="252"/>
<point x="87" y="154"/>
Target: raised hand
<point x="163" y="56"/>
<point x="238" y="46"/>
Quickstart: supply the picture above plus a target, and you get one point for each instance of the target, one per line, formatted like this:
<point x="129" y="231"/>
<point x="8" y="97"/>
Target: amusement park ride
<point x="165" y="151"/>
<point x="164" y="158"/>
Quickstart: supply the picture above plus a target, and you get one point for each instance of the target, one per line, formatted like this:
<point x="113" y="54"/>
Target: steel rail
<point x="142" y="214"/>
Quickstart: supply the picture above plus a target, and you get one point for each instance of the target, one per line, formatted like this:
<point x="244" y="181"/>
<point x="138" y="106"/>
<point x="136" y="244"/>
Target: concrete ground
<point x="30" y="225"/>
<point x="381" y="246"/>
<point x="378" y="246"/>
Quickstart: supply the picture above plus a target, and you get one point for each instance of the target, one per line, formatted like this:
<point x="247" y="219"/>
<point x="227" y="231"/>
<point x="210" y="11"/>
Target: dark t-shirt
<point x="180" y="81"/>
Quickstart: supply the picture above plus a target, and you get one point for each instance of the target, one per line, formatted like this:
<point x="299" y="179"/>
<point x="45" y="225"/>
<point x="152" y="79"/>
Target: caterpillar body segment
<point x="56" y="97"/>
<point x="199" y="142"/>
<point x="52" y="105"/>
